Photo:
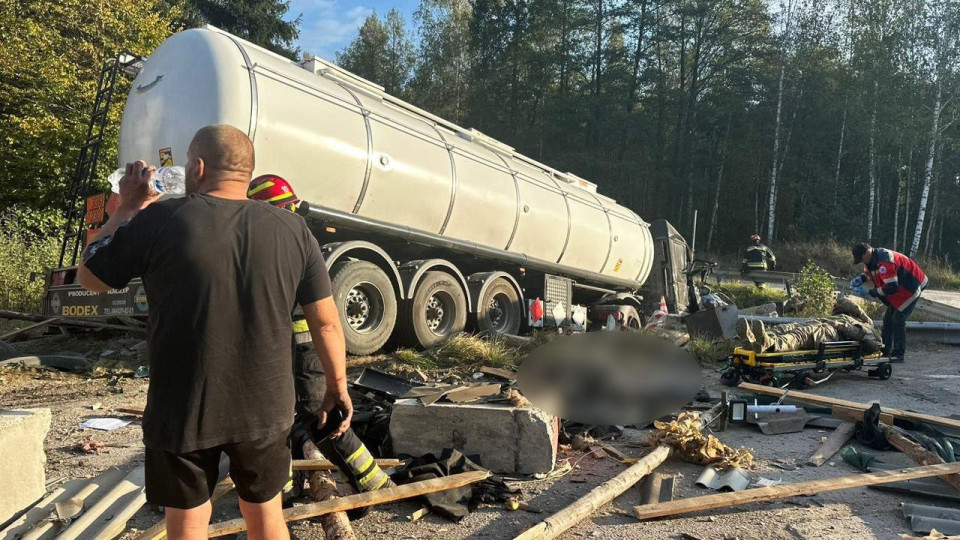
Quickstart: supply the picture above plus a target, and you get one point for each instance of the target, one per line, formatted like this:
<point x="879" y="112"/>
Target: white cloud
<point x="326" y="26"/>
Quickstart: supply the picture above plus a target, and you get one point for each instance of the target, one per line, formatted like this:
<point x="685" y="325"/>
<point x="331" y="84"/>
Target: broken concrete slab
<point x="22" y="432"/>
<point x="508" y="440"/>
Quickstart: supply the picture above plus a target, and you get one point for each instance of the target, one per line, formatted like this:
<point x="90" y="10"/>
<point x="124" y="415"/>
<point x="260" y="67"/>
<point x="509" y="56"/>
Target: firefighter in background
<point x="897" y="282"/>
<point x="757" y="258"/>
<point x="347" y="452"/>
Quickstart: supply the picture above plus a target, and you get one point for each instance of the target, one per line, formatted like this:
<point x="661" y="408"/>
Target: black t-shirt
<point x="222" y="277"/>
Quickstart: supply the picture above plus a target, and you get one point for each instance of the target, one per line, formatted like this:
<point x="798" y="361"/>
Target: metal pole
<point x="694" y="246"/>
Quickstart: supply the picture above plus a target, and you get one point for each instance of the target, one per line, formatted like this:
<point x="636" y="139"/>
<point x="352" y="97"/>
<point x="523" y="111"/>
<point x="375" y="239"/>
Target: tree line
<point x="803" y="120"/>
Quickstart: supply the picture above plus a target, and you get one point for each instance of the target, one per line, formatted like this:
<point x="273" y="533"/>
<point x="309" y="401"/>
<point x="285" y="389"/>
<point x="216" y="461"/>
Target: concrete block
<point x="22" y="432"/>
<point x="509" y="440"/>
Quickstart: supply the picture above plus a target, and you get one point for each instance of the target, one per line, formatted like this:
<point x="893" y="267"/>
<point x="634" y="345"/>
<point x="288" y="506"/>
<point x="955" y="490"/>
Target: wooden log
<point x="325" y="465"/>
<point x="724" y="500"/>
<point x="159" y="531"/>
<point x="834" y="442"/>
<point x="360" y="500"/>
<point x="918" y="453"/>
<point x="813" y="399"/>
<point x="336" y="525"/>
<point x="580" y="509"/>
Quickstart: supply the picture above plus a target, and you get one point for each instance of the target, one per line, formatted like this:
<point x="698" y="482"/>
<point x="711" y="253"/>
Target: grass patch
<point x="746" y="295"/>
<point x="709" y="351"/>
<point x="461" y="349"/>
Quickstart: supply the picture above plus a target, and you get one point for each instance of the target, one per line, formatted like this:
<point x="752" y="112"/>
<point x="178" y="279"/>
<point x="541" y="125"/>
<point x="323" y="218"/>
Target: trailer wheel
<point x="731" y="377"/>
<point x="500" y="310"/>
<point x="367" y="304"/>
<point x="437" y="311"/>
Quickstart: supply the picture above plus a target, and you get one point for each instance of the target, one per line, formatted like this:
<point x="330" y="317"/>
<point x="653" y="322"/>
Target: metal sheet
<point x="732" y="479"/>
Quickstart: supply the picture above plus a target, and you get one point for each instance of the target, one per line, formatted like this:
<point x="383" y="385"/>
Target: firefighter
<point x="347" y="451"/>
<point x="897" y="282"/>
<point x="757" y="258"/>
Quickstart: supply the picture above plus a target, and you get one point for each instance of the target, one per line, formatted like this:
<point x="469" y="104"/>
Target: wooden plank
<point x="33" y="326"/>
<point x="856" y="415"/>
<point x="360" y="500"/>
<point x="724" y="500"/>
<point x="129" y="410"/>
<point x="813" y="399"/>
<point x="325" y="465"/>
<point x="159" y="531"/>
<point x="580" y="509"/>
<point x="834" y="442"/>
<point x="917" y="453"/>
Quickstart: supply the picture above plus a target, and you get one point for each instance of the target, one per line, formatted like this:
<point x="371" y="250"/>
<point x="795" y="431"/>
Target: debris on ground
<point x="91" y="446"/>
<point x="691" y="444"/>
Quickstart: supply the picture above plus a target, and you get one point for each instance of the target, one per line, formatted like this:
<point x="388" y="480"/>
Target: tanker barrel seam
<point x="471" y="248"/>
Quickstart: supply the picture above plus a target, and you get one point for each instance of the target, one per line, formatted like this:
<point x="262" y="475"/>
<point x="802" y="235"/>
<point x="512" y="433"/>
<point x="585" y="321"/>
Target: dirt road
<point x="930" y="383"/>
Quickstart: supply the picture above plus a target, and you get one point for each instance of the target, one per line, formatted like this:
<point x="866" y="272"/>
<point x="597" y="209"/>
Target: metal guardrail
<point x="937" y="310"/>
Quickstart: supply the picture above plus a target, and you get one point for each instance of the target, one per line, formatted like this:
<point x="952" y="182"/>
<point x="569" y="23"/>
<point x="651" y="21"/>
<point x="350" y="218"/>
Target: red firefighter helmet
<point x="274" y="190"/>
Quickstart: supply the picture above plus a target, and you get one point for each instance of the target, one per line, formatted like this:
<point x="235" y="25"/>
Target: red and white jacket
<point x="897" y="278"/>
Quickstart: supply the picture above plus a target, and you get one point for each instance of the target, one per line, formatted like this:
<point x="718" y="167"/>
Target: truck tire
<point x="499" y="310"/>
<point x="437" y="311"/>
<point x="367" y="304"/>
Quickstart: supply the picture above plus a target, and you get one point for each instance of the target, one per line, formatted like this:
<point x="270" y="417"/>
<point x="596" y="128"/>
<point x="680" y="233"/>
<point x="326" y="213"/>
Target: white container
<point x="344" y="144"/>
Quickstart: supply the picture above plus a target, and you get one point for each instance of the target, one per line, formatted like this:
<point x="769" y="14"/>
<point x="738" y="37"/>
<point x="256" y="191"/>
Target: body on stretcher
<point x="800" y="367"/>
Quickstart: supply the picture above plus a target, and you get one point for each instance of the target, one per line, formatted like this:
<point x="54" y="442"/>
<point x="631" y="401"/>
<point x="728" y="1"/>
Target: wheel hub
<point x="435" y="313"/>
<point x="357" y="308"/>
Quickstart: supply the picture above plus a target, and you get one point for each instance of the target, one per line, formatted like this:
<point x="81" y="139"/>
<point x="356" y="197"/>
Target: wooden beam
<point x="834" y="442"/>
<point x="580" y="509"/>
<point x="33" y="326"/>
<point x="856" y="415"/>
<point x="813" y="399"/>
<point x="918" y="453"/>
<point x="360" y="500"/>
<point x="325" y="465"/>
<point x="336" y="525"/>
<point x="724" y="500"/>
<point x="159" y="531"/>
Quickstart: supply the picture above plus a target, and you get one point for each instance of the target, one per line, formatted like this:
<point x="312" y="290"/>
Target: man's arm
<point x="323" y="319"/>
<point x="135" y="195"/>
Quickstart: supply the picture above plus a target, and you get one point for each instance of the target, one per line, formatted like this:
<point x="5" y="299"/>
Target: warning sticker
<point x="616" y="267"/>
<point x="166" y="157"/>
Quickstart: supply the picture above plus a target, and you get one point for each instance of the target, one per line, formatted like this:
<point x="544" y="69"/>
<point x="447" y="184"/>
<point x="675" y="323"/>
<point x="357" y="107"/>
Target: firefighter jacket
<point x="758" y="257"/>
<point x="897" y="278"/>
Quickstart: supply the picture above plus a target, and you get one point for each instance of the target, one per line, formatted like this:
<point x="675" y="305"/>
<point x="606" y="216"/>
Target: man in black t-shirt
<point x="222" y="274"/>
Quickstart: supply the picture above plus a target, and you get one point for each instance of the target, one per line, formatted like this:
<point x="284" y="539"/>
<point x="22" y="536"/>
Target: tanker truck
<point x="427" y="228"/>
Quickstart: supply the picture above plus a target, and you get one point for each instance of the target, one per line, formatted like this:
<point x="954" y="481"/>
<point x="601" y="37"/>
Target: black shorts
<point x="259" y="469"/>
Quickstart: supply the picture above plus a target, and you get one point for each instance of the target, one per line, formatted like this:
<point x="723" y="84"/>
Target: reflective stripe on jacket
<point x="897" y="278"/>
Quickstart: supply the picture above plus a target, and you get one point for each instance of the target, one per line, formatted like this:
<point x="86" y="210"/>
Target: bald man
<point x="223" y="275"/>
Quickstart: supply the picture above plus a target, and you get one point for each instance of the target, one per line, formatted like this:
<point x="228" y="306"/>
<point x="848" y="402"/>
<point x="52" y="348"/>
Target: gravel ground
<point x="930" y="383"/>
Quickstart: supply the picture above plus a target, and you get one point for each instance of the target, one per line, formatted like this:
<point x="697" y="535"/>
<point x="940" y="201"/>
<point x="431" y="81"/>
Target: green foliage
<point x="746" y="295"/>
<point x="381" y="53"/>
<point x="50" y="58"/>
<point x="814" y="287"/>
<point x="25" y="256"/>
<point x="262" y="22"/>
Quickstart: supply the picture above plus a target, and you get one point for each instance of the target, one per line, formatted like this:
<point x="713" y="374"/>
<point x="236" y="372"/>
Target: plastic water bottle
<point x="165" y="181"/>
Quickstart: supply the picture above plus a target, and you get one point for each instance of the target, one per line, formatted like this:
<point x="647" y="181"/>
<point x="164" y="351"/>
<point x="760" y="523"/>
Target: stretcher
<point x="799" y="369"/>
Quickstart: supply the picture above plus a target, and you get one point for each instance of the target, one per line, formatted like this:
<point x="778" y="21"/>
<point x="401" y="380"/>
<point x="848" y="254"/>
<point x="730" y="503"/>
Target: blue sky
<point x="330" y="25"/>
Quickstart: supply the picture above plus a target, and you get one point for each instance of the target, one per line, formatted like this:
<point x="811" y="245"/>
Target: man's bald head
<point x="218" y="154"/>
<point x="224" y="148"/>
